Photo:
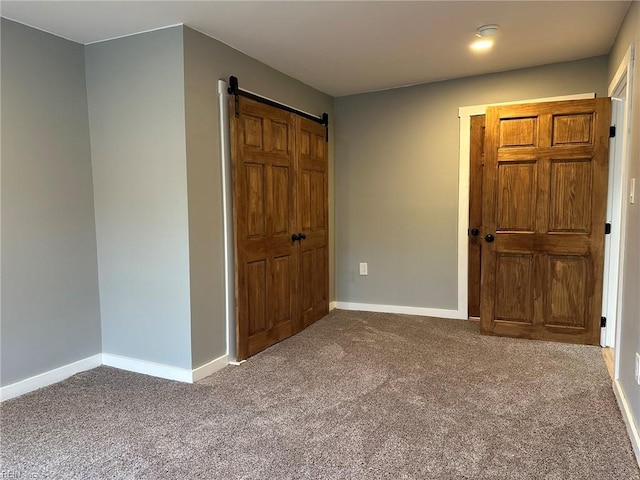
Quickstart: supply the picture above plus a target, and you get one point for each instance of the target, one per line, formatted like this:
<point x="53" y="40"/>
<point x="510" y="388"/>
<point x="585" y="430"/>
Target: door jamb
<point x="465" y="114"/>
<point x="227" y="223"/>
<point x="616" y="210"/>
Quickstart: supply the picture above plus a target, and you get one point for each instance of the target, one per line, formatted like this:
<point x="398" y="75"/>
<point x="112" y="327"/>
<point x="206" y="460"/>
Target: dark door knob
<point x="302" y="236"/>
<point x="489" y="238"/>
<point x="475" y="232"/>
<point x="295" y="237"/>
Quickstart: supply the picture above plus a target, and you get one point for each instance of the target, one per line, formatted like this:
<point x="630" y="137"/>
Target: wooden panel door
<point x="264" y="184"/>
<point x="476" y="155"/>
<point x="312" y="220"/>
<point x="543" y="210"/>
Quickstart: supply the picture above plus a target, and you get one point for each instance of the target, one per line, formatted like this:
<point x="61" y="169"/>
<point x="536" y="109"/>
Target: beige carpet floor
<point x="355" y="396"/>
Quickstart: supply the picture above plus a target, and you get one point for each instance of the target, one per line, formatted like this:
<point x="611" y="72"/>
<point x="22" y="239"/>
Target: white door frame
<point x="464" y="161"/>
<point x="620" y="90"/>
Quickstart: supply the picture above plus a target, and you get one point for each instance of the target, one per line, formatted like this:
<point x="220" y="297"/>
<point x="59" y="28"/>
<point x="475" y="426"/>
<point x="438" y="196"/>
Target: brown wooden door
<point x="264" y="184"/>
<point x="544" y="201"/>
<point x="280" y="224"/>
<point x="313" y="221"/>
<point x="475" y="213"/>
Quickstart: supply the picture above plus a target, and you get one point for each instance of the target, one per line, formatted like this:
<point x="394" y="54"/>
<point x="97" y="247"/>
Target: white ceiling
<point x="351" y="47"/>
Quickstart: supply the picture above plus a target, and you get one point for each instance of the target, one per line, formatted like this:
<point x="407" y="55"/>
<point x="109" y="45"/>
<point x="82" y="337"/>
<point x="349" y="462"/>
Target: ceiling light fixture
<point x="484" y="34"/>
<point x="486" y="31"/>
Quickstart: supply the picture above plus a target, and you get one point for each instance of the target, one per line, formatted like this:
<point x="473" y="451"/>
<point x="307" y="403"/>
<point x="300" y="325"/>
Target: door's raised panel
<point x="519" y="132"/>
<point x="304" y="200"/>
<point x="574" y="129"/>
<point x="567" y="278"/>
<point x="319" y="284"/>
<point x="316" y="201"/>
<point x="305" y="143"/>
<point x="279" y="137"/>
<point x="280" y="211"/>
<point x="320" y="148"/>
<point x="516" y="196"/>
<point x="253" y="132"/>
<point x="256" y="273"/>
<point x="570" y="196"/>
<point x="514" y="287"/>
<point x="255" y="205"/>
<point x="280" y="289"/>
<point x="307" y="260"/>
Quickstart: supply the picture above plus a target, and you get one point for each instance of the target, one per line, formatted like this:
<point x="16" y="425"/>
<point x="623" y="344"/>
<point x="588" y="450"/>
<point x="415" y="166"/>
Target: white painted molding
<point x="49" y="378"/>
<point x="424" y="312"/>
<point x="333" y="305"/>
<point x="227" y="219"/>
<point x="209" y="368"/>
<point x="465" y="114"/>
<point x="147" y="368"/>
<point x="627" y="414"/>
<point x="623" y="79"/>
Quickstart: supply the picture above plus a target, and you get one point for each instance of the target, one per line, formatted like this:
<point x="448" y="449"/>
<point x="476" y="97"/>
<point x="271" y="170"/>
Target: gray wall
<point x="206" y="62"/>
<point x="397" y="179"/>
<point x="50" y="310"/>
<point x="630" y="312"/>
<point x="135" y="88"/>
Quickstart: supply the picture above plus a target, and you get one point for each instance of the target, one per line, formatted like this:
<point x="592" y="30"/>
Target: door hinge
<point x="603" y="322"/>
<point x="612" y="131"/>
<point x="607" y="228"/>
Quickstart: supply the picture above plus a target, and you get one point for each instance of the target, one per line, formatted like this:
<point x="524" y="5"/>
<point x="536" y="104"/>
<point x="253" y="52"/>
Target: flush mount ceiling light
<point x="485" y="40"/>
<point x="486" y="31"/>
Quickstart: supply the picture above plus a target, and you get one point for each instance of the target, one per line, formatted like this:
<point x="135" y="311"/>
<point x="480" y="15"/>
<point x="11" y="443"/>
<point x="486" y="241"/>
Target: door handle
<point x="474" y="232"/>
<point x="302" y="236"/>
<point x="489" y="238"/>
<point x="295" y="237"/>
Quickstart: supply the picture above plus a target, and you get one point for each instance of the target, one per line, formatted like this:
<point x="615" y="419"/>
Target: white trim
<point x="614" y="264"/>
<point x="627" y="415"/>
<point x="209" y="368"/>
<point x="465" y="114"/>
<point x="49" y="378"/>
<point x="333" y="305"/>
<point x="424" y="312"/>
<point x="147" y="368"/>
<point x="227" y="216"/>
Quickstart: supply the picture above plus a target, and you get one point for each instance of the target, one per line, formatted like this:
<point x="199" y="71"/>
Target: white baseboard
<point x="49" y="378"/>
<point x="627" y="414"/>
<point x="333" y="305"/>
<point x="148" y="368"/>
<point x="117" y="361"/>
<point x="425" y="312"/>
<point x="209" y="368"/>
<point x="164" y="371"/>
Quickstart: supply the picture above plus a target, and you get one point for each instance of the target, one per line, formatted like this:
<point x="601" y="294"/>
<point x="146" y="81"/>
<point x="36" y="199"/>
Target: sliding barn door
<point x="264" y="184"/>
<point x="313" y="220"/>
<point x="280" y="223"/>
<point x="543" y="211"/>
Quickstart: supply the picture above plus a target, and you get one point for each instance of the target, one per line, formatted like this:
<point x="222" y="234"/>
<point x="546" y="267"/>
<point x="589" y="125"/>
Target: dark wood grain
<point x="475" y="212"/>
<point x="544" y="200"/>
<point x="280" y="187"/>
<point x="314" y="221"/>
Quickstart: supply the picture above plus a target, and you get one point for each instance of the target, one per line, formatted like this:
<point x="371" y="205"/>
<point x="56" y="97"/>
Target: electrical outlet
<point x="638" y="368"/>
<point x="364" y="269"/>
